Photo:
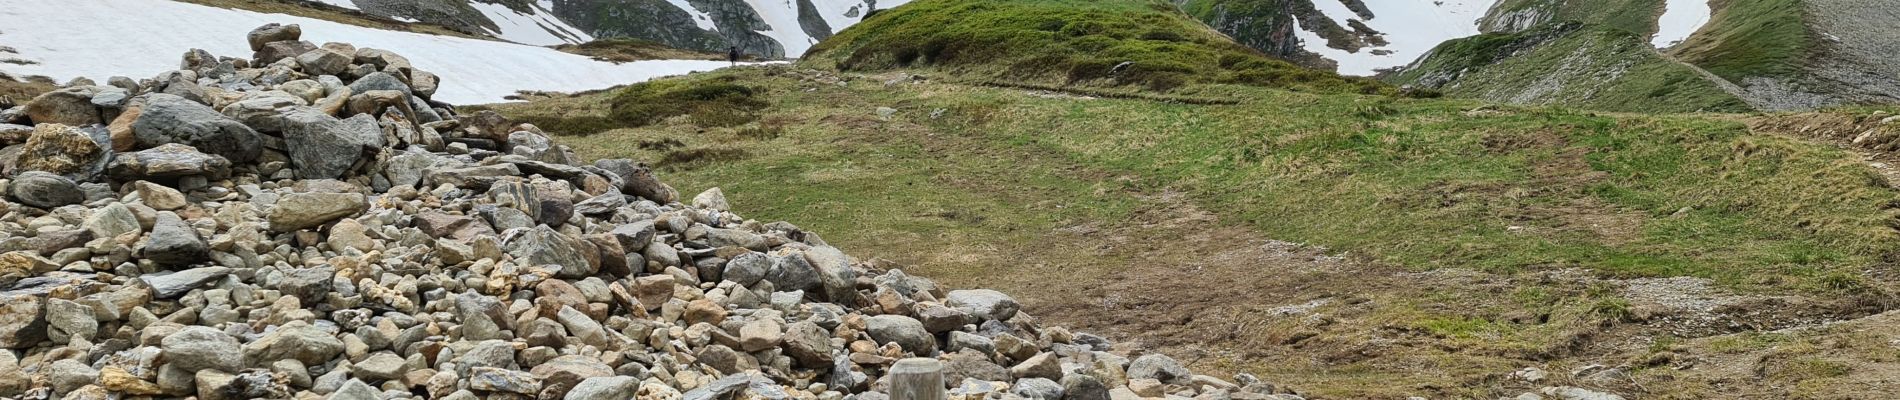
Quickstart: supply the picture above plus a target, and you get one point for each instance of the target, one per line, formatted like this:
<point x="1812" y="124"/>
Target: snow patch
<point x="1680" y="19"/>
<point x="145" y="37"/>
<point x="834" y="12"/>
<point x="536" y="28"/>
<point x="782" y="17"/>
<point x="350" y="4"/>
<point x="1413" y="27"/>
<point x="699" y="17"/>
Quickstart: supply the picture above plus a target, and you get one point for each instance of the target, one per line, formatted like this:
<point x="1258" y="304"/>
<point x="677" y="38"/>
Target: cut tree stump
<point x="917" y="379"/>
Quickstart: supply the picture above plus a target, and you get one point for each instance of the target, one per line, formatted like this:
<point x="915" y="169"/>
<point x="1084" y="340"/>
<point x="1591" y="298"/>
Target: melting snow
<point x="537" y="28"/>
<point x="350" y="4"/>
<point x="699" y="17"/>
<point x="781" y="16"/>
<point x="1680" y="19"/>
<point x="66" y="39"/>
<point x="1413" y="27"/>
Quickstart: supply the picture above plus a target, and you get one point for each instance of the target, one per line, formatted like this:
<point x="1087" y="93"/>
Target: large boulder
<point x="264" y="111"/>
<point x="70" y="106"/>
<point x="63" y="150"/>
<point x="45" y="190"/>
<point x="172" y="119"/>
<point x="322" y="146"/>
<point x="201" y="347"/>
<point x="907" y="332"/>
<point x="170" y="160"/>
<point x="273" y="32"/>
<point x="297" y="211"/>
<point x="294" y="341"/>
<point x="545" y="246"/>
<point x="984" y="303"/>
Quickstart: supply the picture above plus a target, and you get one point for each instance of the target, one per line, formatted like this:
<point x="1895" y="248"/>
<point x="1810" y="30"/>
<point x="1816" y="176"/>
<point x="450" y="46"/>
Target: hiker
<point x="733" y="55"/>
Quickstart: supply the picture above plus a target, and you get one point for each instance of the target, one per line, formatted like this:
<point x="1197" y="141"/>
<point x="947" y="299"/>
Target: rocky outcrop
<point x="315" y="265"/>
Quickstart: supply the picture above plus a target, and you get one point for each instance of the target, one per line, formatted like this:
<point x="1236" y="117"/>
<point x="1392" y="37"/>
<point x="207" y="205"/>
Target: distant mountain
<point x="1637" y="55"/>
<point x="764" y="28"/>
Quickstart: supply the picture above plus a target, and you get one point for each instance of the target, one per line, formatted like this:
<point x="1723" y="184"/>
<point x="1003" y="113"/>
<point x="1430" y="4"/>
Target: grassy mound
<point x="1569" y="64"/>
<point x="1134" y="43"/>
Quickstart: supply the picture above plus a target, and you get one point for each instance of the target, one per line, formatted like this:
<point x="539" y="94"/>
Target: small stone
<point x="174" y="242"/>
<point x="159" y="196"/>
<point x="503" y="381"/>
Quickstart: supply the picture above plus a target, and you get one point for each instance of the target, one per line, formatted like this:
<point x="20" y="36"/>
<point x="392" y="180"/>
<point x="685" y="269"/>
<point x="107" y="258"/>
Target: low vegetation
<point x="1144" y="44"/>
<point x="1570" y="64"/>
<point x="1751" y="38"/>
<point x="967" y="180"/>
<point x="619" y="50"/>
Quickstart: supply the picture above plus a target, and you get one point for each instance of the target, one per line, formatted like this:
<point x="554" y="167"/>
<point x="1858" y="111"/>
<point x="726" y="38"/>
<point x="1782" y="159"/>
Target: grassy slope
<point x="1750" y="38"/>
<point x="1425" y="184"/>
<point x="1585" y="66"/>
<point x="621" y="50"/>
<point x="1063" y="42"/>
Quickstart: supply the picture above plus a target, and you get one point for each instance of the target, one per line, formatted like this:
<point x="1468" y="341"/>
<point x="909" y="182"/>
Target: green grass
<point x="1143" y="44"/>
<point x="1577" y="65"/>
<point x="1751" y="38"/>
<point x="967" y="183"/>
<point x="1422" y="183"/>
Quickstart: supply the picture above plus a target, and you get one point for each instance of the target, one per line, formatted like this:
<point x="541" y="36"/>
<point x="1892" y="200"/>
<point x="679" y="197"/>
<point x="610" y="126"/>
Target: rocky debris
<point x="310" y="226"/>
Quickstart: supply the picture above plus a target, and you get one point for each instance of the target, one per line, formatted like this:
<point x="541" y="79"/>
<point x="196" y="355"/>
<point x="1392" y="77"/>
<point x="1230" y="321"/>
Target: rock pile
<point x="307" y="224"/>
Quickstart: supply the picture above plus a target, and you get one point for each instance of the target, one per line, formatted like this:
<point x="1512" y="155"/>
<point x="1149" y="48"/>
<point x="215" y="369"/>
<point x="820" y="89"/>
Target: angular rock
<point x="44" y="190"/>
<point x="172" y="119"/>
<point x="69" y="106"/>
<point x="63" y="150"/>
<point x="199" y="347"/>
<point x="174" y="242"/>
<point x="298" y="211"/>
<point x="170" y="160"/>
<point x="294" y="341"/>
<point x="907" y="332"/>
<point x="272" y="32"/>
<point x="545" y="246"/>
<point x="322" y="146"/>
<point x="984" y="303"/>
<point x="172" y="285"/>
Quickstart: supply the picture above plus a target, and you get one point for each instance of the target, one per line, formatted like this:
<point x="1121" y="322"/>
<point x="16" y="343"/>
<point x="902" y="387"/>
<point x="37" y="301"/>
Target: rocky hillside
<point x="326" y="230"/>
<point x="1625" y="55"/>
<point x="769" y="29"/>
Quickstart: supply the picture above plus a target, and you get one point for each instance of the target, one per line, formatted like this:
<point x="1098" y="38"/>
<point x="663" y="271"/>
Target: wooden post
<point x="917" y="379"/>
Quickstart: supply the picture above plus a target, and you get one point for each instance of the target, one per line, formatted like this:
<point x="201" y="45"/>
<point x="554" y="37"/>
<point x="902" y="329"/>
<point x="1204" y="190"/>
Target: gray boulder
<point x="201" y="347"/>
<point x="907" y="332"/>
<point x="174" y="242"/>
<point x="322" y="146"/>
<point x="45" y="190"/>
<point x="273" y="32"/>
<point x="171" y="119"/>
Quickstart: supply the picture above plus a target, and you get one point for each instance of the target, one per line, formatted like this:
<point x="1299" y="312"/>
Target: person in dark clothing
<point x="732" y="55"/>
